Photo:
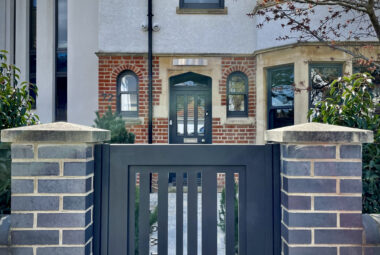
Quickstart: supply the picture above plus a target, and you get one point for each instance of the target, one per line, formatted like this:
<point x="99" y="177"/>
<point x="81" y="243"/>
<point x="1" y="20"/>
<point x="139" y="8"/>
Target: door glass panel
<point x="201" y="115"/>
<point x="180" y="115"/>
<point x="190" y="115"/>
<point x="129" y="102"/>
<point x="236" y="103"/>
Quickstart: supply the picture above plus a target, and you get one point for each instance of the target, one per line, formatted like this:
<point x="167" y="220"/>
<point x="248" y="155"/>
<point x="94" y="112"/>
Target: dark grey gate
<point x="231" y="191"/>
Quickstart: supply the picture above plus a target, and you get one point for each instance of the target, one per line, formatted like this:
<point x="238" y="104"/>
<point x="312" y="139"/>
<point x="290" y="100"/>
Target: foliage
<point x="113" y="122"/>
<point x="15" y="103"/>
<point x="350" y="103"/>
<point x="345" y="20"/>
<point x="222" y="215"/>
<point x="153" y="217"/>
<point x="15" y="111"/>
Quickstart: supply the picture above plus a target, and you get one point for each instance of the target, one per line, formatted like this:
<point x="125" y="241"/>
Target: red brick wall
<point x="109" y="69"/>
<point x="236" y="133"/>
<point x="111" y="66"/>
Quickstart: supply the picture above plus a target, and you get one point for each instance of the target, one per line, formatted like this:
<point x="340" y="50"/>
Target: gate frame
<point x="111" y="163"/>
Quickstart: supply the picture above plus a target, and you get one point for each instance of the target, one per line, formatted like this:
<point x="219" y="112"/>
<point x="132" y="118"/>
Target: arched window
<point x="127" y="94"/>
<point x="237" y="95"/>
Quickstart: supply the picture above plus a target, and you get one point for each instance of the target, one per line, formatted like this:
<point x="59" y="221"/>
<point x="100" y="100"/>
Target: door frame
<point x="199" y="78"/>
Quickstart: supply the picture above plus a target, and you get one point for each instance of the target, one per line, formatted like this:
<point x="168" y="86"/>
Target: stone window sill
<point x="240" y="121"/>
<point x="223" y="11"/>
<point x="132" y="121"/>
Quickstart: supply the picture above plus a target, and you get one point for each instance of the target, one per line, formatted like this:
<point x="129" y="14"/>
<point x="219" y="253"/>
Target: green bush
<point x="15" y="111"/>
<point x="113" y="122"/>
<point x="350" y="102"/>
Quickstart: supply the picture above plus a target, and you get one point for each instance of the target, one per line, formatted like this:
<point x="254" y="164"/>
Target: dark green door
<point x="190" y="109"/>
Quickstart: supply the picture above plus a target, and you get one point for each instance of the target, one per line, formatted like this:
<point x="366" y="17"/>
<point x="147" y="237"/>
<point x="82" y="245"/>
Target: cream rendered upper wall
<point x="120" y="28"/>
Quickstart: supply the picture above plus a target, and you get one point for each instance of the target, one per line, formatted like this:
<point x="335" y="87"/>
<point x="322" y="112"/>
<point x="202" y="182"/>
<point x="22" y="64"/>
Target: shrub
<point x="113" y="122"/>
<point x="350" y="102"/>
<point x="15" y="111"/>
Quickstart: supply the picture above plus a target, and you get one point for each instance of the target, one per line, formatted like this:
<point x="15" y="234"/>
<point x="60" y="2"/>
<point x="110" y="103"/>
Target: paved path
<point x="172" y="225"/>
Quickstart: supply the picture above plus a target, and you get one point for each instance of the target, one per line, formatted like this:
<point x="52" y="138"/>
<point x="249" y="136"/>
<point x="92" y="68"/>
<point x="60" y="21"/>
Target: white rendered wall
<point x="82" y="72"/>
<point x="7" y="28"/>
<point x="22" y="38"/>
<point x="46" y="60"/>
<point x="267" y="36"/>
<point x="120" y="28"/>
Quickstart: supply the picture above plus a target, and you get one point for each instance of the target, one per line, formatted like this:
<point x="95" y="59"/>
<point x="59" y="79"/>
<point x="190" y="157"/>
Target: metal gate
<point x="187" y="199"/>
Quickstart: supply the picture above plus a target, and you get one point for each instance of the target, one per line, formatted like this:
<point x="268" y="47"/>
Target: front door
<point x="190" y="109"/>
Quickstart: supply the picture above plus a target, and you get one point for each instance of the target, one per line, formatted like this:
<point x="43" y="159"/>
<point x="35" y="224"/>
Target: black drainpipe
<point x="150" y="72"/>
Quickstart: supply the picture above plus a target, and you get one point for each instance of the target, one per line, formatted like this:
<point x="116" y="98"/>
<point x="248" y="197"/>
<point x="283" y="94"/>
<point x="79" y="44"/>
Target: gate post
<point x="321" y="188"/>
<point x="52" y="187"/>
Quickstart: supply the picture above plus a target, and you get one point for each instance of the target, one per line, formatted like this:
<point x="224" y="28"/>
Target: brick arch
<point x="119" y="69"/>
<point x="242" y="69"/>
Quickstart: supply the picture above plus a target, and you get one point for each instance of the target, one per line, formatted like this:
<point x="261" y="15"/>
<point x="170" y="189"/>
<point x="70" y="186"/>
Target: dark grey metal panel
<point x="209" y="211"/>
<point x="243" y="215"/>
<point x="163" y="213"/>
<point x="131" y="211"/>
<point x="97" y="198"/>
<point x="230" y="213"/>
<point x="276" y="199"/>
<point x="118" y="204"/>
<point x="192" y="213"/>
<point x="144" y="214"/>
<point x="105" y="199"/>
<point x="179" y="213"/>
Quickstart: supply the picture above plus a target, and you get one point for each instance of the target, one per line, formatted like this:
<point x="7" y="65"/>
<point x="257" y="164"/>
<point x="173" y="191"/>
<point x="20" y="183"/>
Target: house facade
<point x="215" y="77"/>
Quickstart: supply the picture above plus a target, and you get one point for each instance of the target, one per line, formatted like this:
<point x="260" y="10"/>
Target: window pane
<point x="33" y="24"/>
<point x="236" y="103"/>
<point x="201" y="1"/>
<point x="281" y="84"/>
<point x="190" y="115"/>
<point x="61" y="62"/>
<point x="180" y="115"/>
<point x="201" y="115"/>
<point x="281" y="118"/>
<point x="237" y="84"/>
<point x="128" y="83"/>
<point x="128" y="102"/>
<point x="321" y="77"/>
<point x="62" y="24"/>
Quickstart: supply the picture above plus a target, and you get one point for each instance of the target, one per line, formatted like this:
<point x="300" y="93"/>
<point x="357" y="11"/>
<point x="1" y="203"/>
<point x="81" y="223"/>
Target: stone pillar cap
<point x="61" y="132"/>
<point x="318" y="133"/>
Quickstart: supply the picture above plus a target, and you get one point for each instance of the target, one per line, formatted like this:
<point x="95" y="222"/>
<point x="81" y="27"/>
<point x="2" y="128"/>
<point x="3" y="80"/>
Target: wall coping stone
<point x="56" y="132"/>
<point x="314" y="132"/>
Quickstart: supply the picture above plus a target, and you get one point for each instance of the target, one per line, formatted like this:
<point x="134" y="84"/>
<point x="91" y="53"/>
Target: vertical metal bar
<point x="209" y="211"/>
<point x="242" y="213"/>
<point x="179" y="213"/>
<point x="196" y="96"/>
<point x="105" y="199"/>
<point x="131" y="212"/>
<point x="163" y="212"/>
<point x="192" y="213"/>
<point x="97" y="198"/>
<point x="230" y="213"/>
<point x="276" y="199"/>
<point x="144" y="214"/>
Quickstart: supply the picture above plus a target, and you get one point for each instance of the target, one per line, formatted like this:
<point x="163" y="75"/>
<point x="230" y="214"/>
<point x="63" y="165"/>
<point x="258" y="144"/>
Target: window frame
<point x="184" y="5"/>
<point x="321" y="64"/>
<point x="232" y="114"/>
<point x="130" y="114"/>
<point x="270" y="107"/>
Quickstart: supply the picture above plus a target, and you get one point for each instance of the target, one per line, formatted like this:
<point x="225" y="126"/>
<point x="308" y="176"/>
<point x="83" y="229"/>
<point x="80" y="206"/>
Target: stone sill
<point x="223" y="11"/>
<point x="133" y="121"/>
<point x="239" y="121"/>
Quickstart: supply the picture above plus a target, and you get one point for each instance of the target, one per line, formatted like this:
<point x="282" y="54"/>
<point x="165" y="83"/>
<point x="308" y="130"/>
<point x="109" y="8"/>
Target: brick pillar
<point x="321" y="192"/>
<point x="52" y="188"/>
